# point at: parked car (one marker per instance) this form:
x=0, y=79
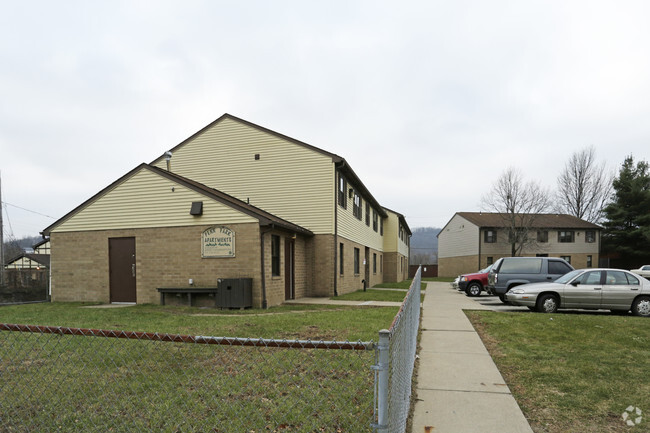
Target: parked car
x=592, y=289
x=474, y=284
x=644, y=271
x=509, y=272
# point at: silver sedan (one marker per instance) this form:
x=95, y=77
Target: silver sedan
x=592, y=289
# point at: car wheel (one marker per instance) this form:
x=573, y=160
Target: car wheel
x=502, y=298
x=474, y=289
x=531, y=308
x=548, y=304
x=641, y=306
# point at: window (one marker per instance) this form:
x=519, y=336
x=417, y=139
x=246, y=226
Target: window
x=275, y=255
x=565, y=236
x=356, y=261
x=341, y=259
x=374, y=263
x=618, y=278
x=489, y=236
x=542, y=236
x=590, y=236
x=589, y=262
x=515, y=265
x=555, y=267
x=375, y=217
x=356, y=209
x=381, y=263
x=343, y=198
x=589, y=278
x=368, y=214
x=490, y=260
x=381, y=227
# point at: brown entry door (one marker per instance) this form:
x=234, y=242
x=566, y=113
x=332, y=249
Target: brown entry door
x=289, y=272
x=121, y=264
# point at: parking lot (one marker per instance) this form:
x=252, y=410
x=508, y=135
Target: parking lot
x=492, y=302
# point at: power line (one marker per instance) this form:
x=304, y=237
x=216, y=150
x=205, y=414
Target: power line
x=28, y=210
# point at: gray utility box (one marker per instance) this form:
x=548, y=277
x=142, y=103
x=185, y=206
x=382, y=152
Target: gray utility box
x=235, y=293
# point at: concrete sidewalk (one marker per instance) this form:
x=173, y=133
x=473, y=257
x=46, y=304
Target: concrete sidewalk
x=459, y=388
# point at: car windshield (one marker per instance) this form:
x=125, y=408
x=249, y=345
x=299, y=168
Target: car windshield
x=483, y=271
x=568, y=277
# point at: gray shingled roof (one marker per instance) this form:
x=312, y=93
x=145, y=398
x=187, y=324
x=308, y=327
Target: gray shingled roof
x=551, y=221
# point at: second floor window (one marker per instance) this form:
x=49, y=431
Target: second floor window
x=367, y=214
x=374, y=220
x=542, y=236
x=356, y=210
x=590, y=236
x=490, y=236
x=565, y=236
x=343, y=186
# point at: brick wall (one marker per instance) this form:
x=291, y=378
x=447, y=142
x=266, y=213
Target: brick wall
x=350, y=281
x=323, y=265
x=454, y=266
x=395, y=267
x=165, y=257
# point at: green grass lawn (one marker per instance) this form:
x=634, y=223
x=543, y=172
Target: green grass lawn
x=406, y=284
x=324, y=322
x=374, y=295
x=572, y=372
x=80, y=384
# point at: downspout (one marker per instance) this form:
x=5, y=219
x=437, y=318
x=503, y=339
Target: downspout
x=336, y=231
x=265, y=303
x=479, y=248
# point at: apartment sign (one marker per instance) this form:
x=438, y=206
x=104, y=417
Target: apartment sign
x=218, y=241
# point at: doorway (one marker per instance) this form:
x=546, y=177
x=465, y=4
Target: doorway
x=121, y=269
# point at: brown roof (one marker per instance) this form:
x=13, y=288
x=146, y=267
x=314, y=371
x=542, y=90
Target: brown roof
x=43, y=259
x=551, y=221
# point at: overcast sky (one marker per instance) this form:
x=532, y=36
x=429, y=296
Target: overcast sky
x=429, y=101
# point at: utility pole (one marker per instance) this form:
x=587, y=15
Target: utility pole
x=2, y=241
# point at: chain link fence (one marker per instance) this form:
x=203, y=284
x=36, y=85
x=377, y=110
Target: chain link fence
x=84, y=380
x=396, y=360
x=20, y=286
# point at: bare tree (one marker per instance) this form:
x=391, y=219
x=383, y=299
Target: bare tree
x=584, y=187
x=519, y=204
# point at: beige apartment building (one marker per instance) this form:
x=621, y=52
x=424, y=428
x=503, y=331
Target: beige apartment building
x=474, y=240
x=235, y=200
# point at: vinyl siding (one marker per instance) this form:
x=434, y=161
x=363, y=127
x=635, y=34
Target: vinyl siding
x=552, y=247
x=24, y=263
x=458, y=238
x=356, y=230
x=290, y=181
x=392, y=242
x=145, y=199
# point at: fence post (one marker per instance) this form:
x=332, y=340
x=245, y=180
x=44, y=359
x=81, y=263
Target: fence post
x=383, y=377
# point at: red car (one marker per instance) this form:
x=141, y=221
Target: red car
x=474, y=284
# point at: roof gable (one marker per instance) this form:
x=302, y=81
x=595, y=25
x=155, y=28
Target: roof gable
x=263, y=217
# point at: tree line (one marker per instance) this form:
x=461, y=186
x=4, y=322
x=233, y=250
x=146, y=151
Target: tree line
x=618, y=202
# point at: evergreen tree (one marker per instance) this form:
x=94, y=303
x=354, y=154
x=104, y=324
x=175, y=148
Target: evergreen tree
x=627, y=225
